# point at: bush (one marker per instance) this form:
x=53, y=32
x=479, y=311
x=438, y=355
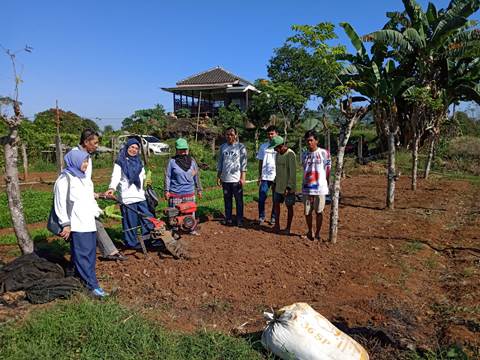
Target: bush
x=183, y=113
x=467, y=147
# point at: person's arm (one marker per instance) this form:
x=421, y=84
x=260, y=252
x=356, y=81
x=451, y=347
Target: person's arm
x=220, y=166
x=196, y=179
x=260, y=156
x=60, y=205
x=243, y=164
x=115, y=180
x=292, y=172
x=167, y=180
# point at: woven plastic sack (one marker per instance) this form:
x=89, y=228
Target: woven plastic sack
x=299, y=332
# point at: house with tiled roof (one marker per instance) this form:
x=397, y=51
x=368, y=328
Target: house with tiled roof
x=210, y=90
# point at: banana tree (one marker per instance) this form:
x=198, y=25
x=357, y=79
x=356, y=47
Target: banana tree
x=425, y=44
x=382, y=82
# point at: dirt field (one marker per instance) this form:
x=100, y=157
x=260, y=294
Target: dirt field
x=401, y=279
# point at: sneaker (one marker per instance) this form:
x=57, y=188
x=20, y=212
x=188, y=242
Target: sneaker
x=261, y=221
x=272, y=221
x=227, y=222
x=114, y=257
x=194, y=233
x=99, y=293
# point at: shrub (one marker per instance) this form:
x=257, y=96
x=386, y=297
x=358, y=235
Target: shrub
x=183, y=113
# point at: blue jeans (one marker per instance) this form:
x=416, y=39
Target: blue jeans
x=262, y=197
x=83, y=248
x=131, y=221
x=230, y=191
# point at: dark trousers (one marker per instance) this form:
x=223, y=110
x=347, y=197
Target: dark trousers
x=262, y=197
x=230, y=191
x=83, y=246
x=131, y=221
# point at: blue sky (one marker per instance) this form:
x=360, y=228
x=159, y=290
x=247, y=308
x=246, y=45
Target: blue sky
x=105, y=59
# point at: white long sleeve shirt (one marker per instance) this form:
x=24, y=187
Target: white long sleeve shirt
x=129, y=193
x=76, y=207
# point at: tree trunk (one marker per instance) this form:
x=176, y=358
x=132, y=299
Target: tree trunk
x=431, y=152
x=342, y=143
x=327, y=140
x=25, y=162
x=391, y=173
x=256, y=138
x=416, y=141
x=13, y=193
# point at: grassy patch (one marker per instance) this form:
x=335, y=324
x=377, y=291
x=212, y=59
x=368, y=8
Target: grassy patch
x=36, y=206
x=451, y=353
x=412, y=247
x=37, y=235
x=86, y=329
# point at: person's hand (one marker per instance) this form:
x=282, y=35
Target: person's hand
x=167, y=195
x=259, y=181
x=65, y=234
x=219, y=181
x=287, y=191
x=200, y=195
x=194, y=172
x=242, y=182
x=109, y=193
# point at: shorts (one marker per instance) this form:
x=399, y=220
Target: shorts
x=281, y=198
x=313, y=202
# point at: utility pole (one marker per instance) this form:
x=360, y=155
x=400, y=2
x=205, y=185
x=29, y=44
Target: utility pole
x=58, y=142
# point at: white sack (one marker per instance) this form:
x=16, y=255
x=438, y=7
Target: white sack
x=299, y=332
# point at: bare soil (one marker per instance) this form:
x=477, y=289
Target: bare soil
x=401, y=279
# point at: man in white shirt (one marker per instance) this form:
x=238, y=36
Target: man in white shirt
x=266, y=174
x=89, y=140
x=315, y=185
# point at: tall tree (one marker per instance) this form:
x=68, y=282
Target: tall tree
x=146, y=121
x=10, y=143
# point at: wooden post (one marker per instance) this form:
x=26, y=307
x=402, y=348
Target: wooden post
x=360, y=150
x=25, y=162
x=58, y=142
x=114, y=149
x=212, y=144
x=327, y=140
x=198, y=116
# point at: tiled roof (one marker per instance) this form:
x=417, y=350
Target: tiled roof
x=213, y=76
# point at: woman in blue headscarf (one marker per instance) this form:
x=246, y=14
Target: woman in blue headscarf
x=76, y=208
x=127, y=178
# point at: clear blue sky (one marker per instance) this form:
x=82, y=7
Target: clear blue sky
x=105, y=59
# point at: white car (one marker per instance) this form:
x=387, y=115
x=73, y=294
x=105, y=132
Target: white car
x=150, y=143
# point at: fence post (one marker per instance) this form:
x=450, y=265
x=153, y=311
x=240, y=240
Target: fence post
x=360, y=150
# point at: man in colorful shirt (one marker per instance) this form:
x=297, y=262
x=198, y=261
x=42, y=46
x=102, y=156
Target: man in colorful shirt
x=266, y=174
x=316, y=173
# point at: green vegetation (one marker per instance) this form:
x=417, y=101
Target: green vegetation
x=86, y=329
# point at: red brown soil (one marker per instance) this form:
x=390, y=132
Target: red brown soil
x=400, y=273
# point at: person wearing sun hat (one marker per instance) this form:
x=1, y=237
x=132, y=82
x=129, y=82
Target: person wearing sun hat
x=285, y=181
x=182, y=177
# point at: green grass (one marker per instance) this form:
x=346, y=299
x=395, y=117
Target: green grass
x=36, y=206
x=86, y=329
